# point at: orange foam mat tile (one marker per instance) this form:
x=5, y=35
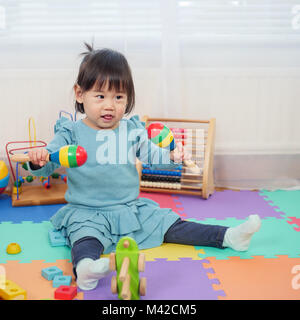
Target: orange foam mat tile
x=258, y=278
x=28, y=276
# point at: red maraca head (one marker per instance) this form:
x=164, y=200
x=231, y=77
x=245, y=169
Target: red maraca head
x=155, y=129
x=81, y=156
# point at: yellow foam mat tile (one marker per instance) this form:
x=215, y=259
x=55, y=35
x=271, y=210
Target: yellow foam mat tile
x=172, y=252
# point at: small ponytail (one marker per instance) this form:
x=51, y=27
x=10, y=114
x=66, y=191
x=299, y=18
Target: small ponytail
x=90, y=48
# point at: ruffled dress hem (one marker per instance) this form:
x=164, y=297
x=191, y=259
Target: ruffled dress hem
x=141, y=219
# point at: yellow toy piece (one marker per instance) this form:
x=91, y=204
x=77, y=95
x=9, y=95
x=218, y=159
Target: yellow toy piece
x=15, y=190
x=4, y=176
x=13, y=248
x=12, y=291
x=3, y=170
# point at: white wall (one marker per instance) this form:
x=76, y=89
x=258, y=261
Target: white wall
x=236, y=61
x=257, y=112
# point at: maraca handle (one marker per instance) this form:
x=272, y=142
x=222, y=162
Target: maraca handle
x=24, y=157
x=69, y=156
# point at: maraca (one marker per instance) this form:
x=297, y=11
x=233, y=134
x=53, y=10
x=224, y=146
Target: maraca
x=163, y=137
x=70, y=156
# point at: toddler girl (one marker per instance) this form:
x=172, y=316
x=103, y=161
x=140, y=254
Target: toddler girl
x=102, y=194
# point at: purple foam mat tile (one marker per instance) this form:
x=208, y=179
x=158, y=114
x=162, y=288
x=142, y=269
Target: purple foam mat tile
x=166, y=280
x=101, y=292
x=227, y=204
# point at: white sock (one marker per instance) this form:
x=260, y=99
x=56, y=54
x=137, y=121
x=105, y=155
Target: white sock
x=238, y=238
x=90, y=271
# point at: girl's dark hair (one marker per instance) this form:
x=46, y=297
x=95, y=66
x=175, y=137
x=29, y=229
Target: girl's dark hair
x=100, y=66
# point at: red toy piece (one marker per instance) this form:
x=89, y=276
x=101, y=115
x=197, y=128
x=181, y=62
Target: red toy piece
x=65, y=293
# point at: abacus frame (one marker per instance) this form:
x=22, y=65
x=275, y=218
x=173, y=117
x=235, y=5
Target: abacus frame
x=207, y=176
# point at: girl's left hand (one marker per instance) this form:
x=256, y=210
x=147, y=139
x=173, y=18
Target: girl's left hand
x=179, y=154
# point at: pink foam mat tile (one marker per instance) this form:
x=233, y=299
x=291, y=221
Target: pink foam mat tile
x=164, y=200
x=295, y=222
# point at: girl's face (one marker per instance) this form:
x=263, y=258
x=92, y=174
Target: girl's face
x=104, y=109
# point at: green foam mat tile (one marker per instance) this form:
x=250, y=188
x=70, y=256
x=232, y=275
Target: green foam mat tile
x=34, y=241
x=286, y=201
x=275, y=237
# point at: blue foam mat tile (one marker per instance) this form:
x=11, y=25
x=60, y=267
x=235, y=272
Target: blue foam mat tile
x=28, y=213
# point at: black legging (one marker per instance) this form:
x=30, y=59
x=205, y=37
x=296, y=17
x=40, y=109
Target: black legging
x=181, y=232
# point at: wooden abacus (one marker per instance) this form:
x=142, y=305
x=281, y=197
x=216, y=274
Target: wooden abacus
x=197, y=137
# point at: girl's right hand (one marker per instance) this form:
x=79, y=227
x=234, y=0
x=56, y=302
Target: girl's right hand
x=38, y=156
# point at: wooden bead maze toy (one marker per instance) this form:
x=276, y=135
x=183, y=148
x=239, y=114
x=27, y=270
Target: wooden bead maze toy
x=195, y=175
x=128, y=262
x=24, y=195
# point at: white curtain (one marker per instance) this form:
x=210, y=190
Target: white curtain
x=235, y=60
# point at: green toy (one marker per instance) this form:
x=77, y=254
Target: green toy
x=128, y=262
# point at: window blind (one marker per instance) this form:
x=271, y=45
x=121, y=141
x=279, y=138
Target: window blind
x=54, y=21
x=148, y=31
x=239, y=21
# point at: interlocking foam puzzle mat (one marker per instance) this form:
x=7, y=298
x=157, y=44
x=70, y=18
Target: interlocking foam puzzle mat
x=270, y=269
